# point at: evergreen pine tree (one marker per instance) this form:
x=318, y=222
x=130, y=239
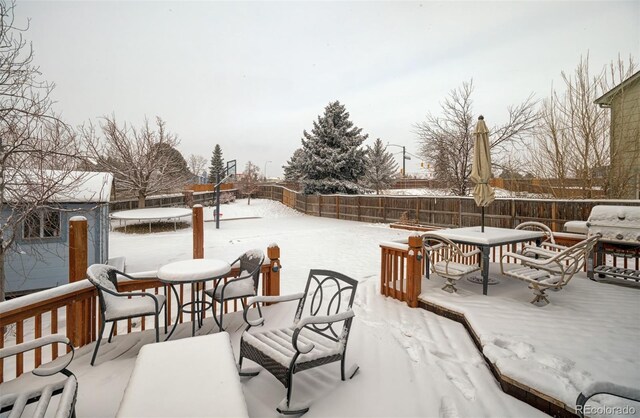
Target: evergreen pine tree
x=333, y=161
x=217, y=165
x=381, y=167
x=293, y=169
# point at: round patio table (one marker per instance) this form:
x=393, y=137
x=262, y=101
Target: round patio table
x=192, y=272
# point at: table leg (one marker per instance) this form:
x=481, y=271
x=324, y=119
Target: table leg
x=485, y=268
x=179, y=303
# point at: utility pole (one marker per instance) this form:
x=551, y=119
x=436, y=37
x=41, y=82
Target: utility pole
x=404, y=158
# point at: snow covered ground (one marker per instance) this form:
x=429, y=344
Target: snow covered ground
x=412, y=362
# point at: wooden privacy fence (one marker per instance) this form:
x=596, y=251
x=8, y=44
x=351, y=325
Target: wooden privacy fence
x=73, y=309
x=444, y=211
x=187, y=198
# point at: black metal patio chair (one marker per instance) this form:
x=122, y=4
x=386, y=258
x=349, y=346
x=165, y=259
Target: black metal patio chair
x=116, y=305
x=318, y=336
x=241, y=287
x=606, y=388
x=15, y=399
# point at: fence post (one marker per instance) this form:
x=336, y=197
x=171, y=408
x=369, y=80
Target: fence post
x=414, y=272
x=273, y=287
x=76, y=322
x=198, y=231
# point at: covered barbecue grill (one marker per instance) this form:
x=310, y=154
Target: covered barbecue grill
x=619, y=228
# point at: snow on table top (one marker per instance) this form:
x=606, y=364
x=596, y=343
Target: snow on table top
x=193, y=270
x=192, y=377
x=490, y=236
x=151, y=214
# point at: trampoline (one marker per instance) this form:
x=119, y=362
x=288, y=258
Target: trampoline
x=151, y=215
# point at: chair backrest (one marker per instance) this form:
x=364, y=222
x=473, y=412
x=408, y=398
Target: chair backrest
x=328, y=293
x=438, y=248
x=250, y=263
x=575, y=257
x=538, y=226
x=103, y=276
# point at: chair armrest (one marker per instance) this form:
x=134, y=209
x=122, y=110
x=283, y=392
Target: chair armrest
x=325, y=319
x=267, y=299
x=535, y=262
x=37, y=343
x=309, y=320
x=609, y=388
x=274, y=299
x=472, y=253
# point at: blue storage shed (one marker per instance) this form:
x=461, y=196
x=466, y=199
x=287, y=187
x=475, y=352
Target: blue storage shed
x=40, y=255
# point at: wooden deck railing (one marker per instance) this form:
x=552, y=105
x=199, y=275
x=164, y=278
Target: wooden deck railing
x=73, y=309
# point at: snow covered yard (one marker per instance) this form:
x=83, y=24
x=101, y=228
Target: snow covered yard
x=589, y=332
x=412, y=362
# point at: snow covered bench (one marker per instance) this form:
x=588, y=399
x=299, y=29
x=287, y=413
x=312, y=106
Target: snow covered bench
x=16, y=397
x=192, y=377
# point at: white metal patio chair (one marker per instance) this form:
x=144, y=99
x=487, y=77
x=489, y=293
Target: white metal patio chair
x=447, y=260
x=318, y=336
x=116, y=305
x=241, y=287
x=548, y=247
x=17, y=401
x=552, y=272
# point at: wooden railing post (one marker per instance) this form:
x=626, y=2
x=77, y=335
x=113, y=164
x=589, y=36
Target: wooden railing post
x=414, y=273
x=198, y=231
x=77, y=323
x=273, y=287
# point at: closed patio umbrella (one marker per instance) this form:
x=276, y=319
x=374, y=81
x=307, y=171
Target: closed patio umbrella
x=481, y=168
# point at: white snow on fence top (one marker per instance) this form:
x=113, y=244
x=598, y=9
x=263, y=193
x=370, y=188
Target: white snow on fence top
x=77, y=218
x=490, y=236
x=151, y=214
x=193, y=270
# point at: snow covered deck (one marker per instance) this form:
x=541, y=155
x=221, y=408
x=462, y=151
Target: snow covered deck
x=412, y=362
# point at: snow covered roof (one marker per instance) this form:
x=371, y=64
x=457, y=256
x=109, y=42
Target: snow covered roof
x=62, y=186
x=85, y=186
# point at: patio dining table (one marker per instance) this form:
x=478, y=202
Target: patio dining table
x=195, y=272
x=491, y=237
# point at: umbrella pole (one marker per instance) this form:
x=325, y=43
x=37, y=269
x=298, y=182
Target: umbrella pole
x=482, y=220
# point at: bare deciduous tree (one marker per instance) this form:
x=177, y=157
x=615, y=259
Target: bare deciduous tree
x=143, y=161
x=446, y=141
x=197, y=164
x=37, y=150
x=573, y=135
x=249, y=182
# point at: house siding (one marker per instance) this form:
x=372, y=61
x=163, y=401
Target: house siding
x=41, y=264
x=625, y=140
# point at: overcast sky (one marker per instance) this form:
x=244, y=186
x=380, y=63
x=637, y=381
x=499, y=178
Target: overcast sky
x=251, y=76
